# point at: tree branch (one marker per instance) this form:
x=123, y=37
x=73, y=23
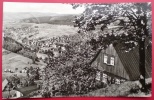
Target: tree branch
x=134, y=13
x=131, y=21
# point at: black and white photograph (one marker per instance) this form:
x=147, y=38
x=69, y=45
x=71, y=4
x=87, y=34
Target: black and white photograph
x=76, y=50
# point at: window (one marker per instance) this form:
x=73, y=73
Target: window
x=109, y=60
x=112, y=61
x=104, y=79
x=117, y=81
x=98, y=76
x=105, y=59
x=104, y=75
x=122, y=80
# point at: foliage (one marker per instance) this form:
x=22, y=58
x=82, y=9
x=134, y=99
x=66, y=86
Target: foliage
x=125, y=20
x=14, y=80
x=33, y=73
x=14, y=46
x=71, y=72
x=11, y=45
x=125, y=23
x=28, y=53
x=24, y=82
x=35, y=93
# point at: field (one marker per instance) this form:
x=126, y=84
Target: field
x=45, y=30
x=48, y=31
x=13, y=60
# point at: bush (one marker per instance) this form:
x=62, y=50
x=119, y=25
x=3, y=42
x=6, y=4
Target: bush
x=149, y=86
x=135, y=89
x=11, y=45
x=35, y=93
x=28, y=54
x=99, y=84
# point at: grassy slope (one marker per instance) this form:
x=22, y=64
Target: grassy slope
x=121, y=90
x=13, y=60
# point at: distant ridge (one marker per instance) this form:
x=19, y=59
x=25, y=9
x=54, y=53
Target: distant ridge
x=39, y=17
x=57, y=19
x=16, y=16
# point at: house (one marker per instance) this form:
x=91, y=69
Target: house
x=24, y=71
x=19, y=92
x=25, y=91
x=120, y=65
x=8, y=70
x=4, y=84
x=5, y=93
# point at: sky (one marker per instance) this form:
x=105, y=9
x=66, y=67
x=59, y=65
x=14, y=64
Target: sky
x=41, y=7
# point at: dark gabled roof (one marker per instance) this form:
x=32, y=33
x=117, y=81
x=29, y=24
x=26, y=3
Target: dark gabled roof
x=26, y=90
x=130, y=61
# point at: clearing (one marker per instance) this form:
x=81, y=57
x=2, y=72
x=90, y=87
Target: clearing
x=13, y=60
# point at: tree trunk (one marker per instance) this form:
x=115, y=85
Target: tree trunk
x=9, y=93
x=142, y=62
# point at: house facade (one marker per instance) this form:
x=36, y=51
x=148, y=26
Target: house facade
x=118, y=65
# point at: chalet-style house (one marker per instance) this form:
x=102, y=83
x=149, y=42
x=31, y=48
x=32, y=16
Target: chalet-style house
x=121, y=65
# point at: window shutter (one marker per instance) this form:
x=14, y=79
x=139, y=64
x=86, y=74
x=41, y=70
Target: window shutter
x=105, y=58
x=112, y=62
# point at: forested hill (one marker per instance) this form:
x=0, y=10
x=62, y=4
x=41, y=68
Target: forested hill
x=16, y=16
x=57, y=20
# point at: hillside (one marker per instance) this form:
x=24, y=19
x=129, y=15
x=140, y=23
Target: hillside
x=56, y=20
x=43, y=30
x=62, y=20
x=17, y=16
x=37, y=25
x=13, y=60
x=128, y=89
